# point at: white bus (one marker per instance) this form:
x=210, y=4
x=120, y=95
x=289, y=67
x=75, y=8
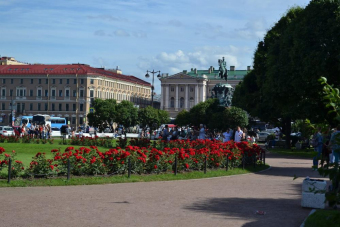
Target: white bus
x=41, y=119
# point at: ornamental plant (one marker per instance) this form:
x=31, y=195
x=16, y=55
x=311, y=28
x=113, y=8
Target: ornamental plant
x=17, y=166
x=40, y=166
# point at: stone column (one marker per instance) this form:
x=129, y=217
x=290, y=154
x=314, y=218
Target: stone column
x=166, y=96
x=186, y=96
x=176, y=99
x=196, y=94
x=162, y=97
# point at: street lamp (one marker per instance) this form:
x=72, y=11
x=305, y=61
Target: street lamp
x=153, y=76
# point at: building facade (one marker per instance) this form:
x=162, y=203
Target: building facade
x=64, y=90
x=184, y=90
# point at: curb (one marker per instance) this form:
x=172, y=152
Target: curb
x=310, y=213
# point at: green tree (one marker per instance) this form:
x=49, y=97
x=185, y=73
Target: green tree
x=203, y=111
x=182, y=118
x=127, y=114
x=163, y=116
x=104, y=115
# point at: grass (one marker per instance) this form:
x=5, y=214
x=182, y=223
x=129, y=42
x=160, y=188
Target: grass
x=25, y=151
x=324, y=218
x=306, y=153
x=124, y=178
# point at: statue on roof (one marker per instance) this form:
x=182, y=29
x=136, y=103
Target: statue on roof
x=223, y=73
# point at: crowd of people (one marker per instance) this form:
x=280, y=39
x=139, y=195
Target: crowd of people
x=237, y=135
x=35, y=131
x=327, y=147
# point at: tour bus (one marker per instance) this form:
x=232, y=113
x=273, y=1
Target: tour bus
x=57, y=122
x=19, y=121
x=41, y=119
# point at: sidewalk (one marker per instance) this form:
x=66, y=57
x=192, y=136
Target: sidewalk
x=226, y=201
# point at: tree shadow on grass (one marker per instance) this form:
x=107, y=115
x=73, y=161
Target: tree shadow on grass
x=279, y=212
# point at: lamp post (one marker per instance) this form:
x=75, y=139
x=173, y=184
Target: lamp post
x=153, y=77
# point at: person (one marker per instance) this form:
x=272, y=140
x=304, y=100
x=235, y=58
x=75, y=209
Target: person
x=334, y=144
x=201, y=132
x=174, y=135
x=238, y=134
x=23, y=130
x=227, y=135
x=165, y=133
x=48, y=131
x=318, y=147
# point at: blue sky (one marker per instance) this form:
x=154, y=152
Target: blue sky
x=138, y=35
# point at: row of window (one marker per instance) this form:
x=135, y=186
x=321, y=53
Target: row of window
x=21, y=92
x=181, y=102
x=53, y=81
x=20, y=107
x=172, y=88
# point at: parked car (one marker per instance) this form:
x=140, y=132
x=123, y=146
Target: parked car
x=263, y=136
x=6, y=131
x=55, y=131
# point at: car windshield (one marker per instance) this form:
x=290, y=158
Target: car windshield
x=8, y=129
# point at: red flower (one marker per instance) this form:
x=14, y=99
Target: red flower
x=155, y=167
x=7, y=155
x=52, y=167
x=186, y=165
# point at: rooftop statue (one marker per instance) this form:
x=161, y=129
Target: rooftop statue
x=223, y=69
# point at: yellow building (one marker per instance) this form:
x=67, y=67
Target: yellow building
x=64, y=90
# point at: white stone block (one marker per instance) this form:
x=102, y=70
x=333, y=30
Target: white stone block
x=313, y=184
x=311, y=200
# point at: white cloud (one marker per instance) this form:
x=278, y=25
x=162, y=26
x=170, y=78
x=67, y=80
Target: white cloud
x=121, y=33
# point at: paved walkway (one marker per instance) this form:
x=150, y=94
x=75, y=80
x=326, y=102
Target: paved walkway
x=226, y=201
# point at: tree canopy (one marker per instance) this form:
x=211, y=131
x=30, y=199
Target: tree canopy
x=300, y=48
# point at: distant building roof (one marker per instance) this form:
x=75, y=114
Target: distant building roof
x=66, y=69
x=213, y=74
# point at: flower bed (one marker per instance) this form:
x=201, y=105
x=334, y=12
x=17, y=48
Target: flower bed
x=157, y=158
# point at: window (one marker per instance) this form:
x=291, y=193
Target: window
x=21, y=92
x=73, y=120
x=60, y=81
x=75, y=81
x=74, y=93
x=172, y=102
x=181, y=103
x=67, y=107
x=191, y=89
x=3, y=93
x=60, y=93
x=46, y=107
x=46, y=93
x=172, y=88
x=191, y=102
x=4, y=81
x=81, y=120
x=81, y=81
x=91, y=93
x=21, y=81
x=81, y=107
x=92, y=81
x=39, y=92
x=31, y=81
x=67, y=81
x=3, y=107
x=53, y=107
x=53, y=81
x=11, y=81
x=11, y=92
x=53, y=92
x=46, y=81
x=39, y=106
x=39, y=81
x=81, y=93
x=31, y=106
x=31, y=93
x=182, y=88
x=67, y=92
x=74, y=107
x=60, y=107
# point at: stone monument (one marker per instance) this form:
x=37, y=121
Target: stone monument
x=223, y=92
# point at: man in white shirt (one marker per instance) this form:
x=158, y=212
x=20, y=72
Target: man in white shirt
x=238, y=134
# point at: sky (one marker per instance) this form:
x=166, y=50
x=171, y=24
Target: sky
x=138, y=35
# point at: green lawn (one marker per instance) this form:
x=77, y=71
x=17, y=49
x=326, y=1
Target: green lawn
x=25, y=151
x=324, y=218
x=61, y=181
x=306, y=153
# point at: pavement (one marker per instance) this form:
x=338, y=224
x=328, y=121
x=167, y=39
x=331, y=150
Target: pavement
x=224, y=201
